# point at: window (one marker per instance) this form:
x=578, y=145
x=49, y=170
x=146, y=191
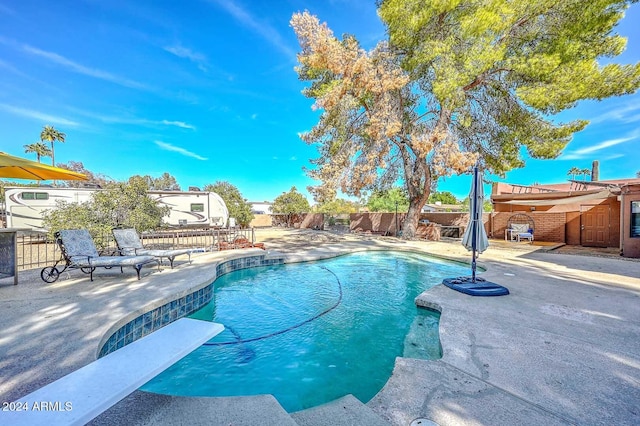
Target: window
x=635, y=218
x=199, y=208
x=34, y=196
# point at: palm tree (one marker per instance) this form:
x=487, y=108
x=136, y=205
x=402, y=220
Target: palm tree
x=38, y=148
x=585, y=173
x=573, y=172
x=52, y=135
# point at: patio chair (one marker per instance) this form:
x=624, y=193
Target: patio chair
x=519, y=227
x=79, y=251
x=129, y=243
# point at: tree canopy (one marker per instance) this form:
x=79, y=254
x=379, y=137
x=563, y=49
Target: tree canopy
x=96, y=179
x=291, y=202
x=386, y=200
x=236, y=203
x=52, y=135
x=38, y=148
x=456, y=83
x=166, y=182
x=444, y=197
x=337, y=206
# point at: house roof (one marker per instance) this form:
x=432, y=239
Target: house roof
x=570, y=187
x=553, y=198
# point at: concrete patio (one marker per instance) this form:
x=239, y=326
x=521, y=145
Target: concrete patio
x=562, y=348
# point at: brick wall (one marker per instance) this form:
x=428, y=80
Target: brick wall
x=547, y=226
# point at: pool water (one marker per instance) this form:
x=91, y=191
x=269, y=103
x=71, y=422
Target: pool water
x=309, y=333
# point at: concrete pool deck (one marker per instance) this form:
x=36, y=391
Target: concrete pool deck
x=562, y=348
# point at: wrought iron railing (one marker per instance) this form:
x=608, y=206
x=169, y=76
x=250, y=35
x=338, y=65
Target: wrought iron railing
x=36, y=249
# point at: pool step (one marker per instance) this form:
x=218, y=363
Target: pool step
x=347, y=410
x=147, y=409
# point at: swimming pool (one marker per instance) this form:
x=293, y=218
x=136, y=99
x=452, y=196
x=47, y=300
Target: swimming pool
x=312, y=332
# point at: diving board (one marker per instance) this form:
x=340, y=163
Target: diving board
x=80, y=396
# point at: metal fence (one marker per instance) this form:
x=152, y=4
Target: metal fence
x=37, y=250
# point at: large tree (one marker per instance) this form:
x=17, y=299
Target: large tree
x=51, y=135
x=38, y=148
x=444, y=197
x=237, y=205
x=457, y=83
x=93, y=179
x=291, y=202
x=166, y=182
x=337, y=206
x=388, y=200
x=573, y=172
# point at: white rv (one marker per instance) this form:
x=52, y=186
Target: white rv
x=24, y=206
x=193, y=208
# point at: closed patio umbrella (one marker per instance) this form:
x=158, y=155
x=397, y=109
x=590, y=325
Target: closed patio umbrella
x=21, y=168
x=475, y=237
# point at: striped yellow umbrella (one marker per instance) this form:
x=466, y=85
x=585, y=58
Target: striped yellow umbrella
x=21, y=168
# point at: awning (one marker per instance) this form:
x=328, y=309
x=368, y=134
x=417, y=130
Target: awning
x=556, y=201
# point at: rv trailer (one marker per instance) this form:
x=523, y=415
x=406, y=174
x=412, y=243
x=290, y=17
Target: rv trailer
x=193, y=208
x=24, y=206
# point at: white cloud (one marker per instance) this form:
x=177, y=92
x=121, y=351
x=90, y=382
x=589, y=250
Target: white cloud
x=181, y=124
x=584, y=152
x=30, y=113
x=266, y=31
x=629, y=113
x=132, y=120
x=186, y=53
x=81, y=69
x=73, y=66
x=173, y=148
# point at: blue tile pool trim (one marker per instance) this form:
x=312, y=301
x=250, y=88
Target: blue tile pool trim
x=162, y=315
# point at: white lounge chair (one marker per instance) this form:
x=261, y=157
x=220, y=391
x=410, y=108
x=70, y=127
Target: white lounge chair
x=79, y=251
x=129, y=243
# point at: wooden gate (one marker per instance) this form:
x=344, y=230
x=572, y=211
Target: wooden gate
x=594, y=225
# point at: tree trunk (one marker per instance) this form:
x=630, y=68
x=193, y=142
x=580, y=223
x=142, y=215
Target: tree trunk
x=410, y=223
x=419, y=189
x=418, y=182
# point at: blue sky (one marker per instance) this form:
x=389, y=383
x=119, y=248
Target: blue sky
x=206, y=91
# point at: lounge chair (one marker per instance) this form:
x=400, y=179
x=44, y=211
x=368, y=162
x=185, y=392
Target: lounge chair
x=129, y=243
x=79, y=251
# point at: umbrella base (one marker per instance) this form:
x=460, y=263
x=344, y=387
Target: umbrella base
x=480, y=287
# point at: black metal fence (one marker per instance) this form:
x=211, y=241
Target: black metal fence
x=37, y=250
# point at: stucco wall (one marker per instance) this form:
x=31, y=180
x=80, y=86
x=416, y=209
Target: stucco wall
x=261, y=221
x=384, y=223
x=630, y=245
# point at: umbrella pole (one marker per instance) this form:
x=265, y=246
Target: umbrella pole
x=474, y=224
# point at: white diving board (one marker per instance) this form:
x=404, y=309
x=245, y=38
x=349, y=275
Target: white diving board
x=80, y=396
